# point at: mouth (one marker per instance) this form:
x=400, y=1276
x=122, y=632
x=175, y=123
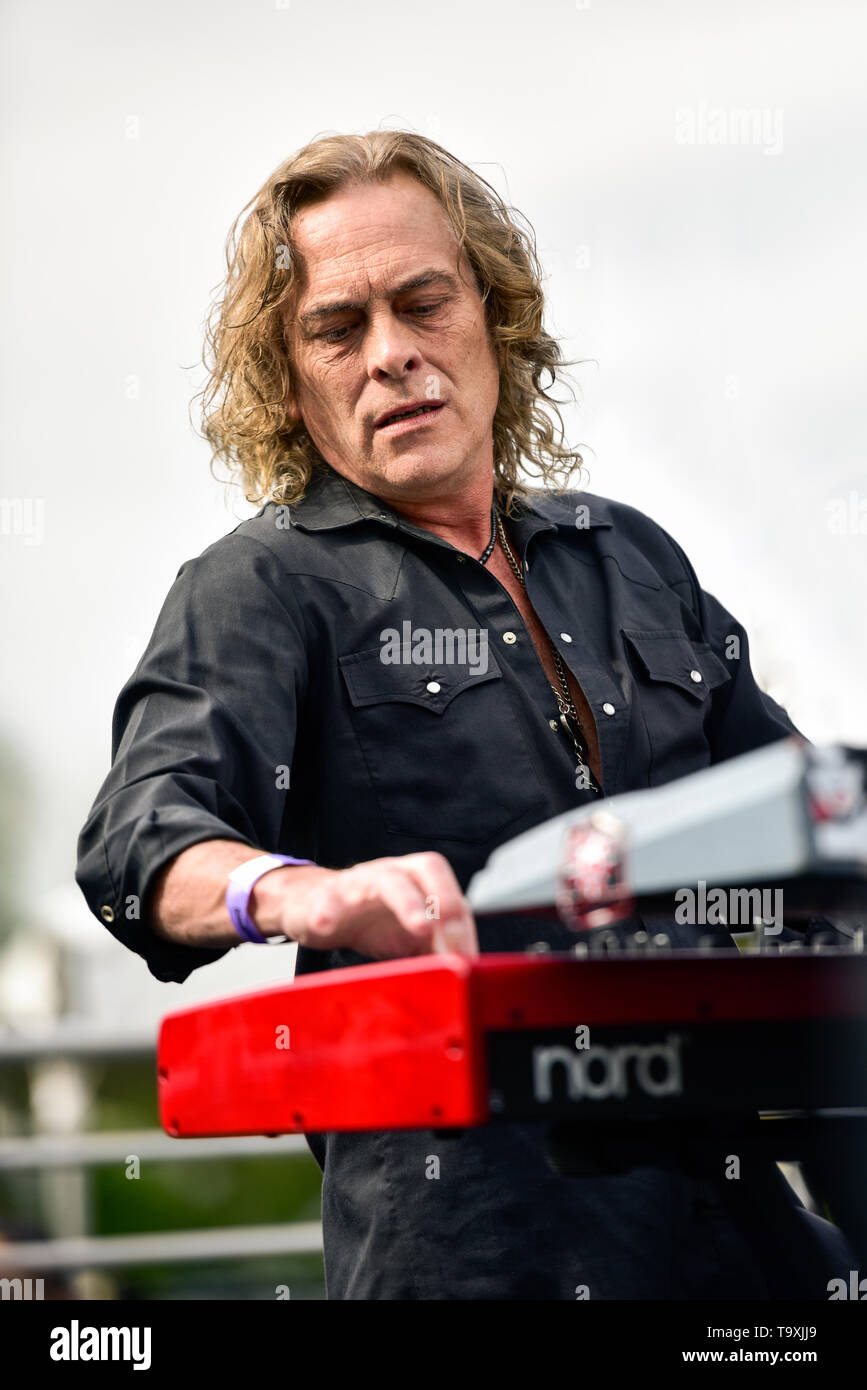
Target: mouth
x=400, y=421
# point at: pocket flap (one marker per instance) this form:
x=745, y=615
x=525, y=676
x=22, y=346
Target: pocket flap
x=432, y=685
x=671, y=656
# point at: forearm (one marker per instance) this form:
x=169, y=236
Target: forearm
x=188, y=898
x=383, y=908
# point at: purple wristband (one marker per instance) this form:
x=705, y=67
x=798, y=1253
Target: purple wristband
x=240, y=886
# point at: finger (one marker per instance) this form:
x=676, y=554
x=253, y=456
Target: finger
x=454, y=927
x=455, y=938
x=412, y=893
x=404, y=897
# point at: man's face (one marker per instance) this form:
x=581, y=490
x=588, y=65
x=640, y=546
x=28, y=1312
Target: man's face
x=382, y=343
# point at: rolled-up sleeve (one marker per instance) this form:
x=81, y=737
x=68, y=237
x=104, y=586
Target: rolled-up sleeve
x=743, y=716
x=200, y=734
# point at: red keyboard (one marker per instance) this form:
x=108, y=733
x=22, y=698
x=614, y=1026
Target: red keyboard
x=443, y=1041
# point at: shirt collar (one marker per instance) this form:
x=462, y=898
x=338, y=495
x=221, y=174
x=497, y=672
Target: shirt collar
x=331, y=500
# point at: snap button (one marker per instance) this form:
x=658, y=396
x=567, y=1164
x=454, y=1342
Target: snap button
x=564, y=636
x=695, y=675
x=433, y=687
x=462, y=559
x=608, y=708
x=509, y=637
x=554, y=725
x=106, y=913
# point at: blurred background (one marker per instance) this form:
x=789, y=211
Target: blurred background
x=696, y=178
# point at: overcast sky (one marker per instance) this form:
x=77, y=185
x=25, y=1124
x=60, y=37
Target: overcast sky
x=696, y=177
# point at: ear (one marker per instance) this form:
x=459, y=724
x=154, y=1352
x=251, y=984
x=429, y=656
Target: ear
x=293, y=414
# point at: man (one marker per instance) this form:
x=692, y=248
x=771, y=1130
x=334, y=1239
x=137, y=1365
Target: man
x=405, y=659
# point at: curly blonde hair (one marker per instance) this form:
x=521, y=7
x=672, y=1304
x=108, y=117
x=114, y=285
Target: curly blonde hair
x=250, y=373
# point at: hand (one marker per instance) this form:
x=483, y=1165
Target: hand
x=406, y=905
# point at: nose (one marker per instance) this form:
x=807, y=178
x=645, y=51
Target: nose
x=392, y=350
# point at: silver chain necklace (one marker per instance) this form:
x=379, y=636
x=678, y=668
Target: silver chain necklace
x=565, y=704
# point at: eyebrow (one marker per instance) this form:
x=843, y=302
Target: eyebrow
x=415, y=282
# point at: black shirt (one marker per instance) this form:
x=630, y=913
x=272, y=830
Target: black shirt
x=262, y=710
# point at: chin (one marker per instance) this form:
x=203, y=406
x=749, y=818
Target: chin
x=418, y=471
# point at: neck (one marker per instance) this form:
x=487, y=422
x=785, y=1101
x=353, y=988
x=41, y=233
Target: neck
x=464, y=520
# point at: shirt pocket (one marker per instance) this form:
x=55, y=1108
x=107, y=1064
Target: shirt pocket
x=442, y=745
x=674, y=679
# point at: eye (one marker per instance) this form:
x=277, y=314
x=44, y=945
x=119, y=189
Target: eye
x=333, y=336
x=425, y=309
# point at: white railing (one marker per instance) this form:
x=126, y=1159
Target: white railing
x=75, y=1043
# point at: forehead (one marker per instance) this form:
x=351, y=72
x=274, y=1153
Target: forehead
x=365, y=233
